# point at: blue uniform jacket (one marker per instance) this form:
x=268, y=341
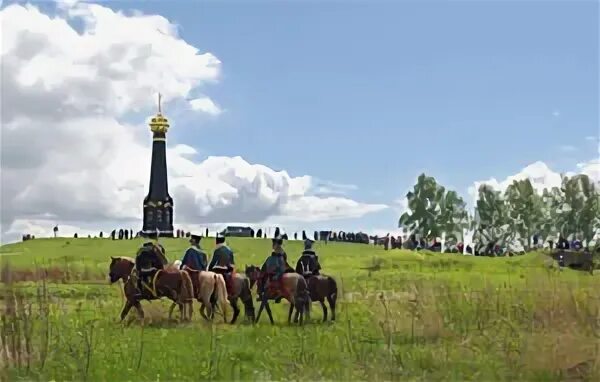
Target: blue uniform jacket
x=222, y=257
x=195, y=259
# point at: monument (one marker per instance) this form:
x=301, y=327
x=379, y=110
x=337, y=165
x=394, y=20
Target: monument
x=158, y=204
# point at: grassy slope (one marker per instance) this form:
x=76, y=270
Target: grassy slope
x=443, y=317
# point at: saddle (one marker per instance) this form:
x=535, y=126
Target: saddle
x=146, y=282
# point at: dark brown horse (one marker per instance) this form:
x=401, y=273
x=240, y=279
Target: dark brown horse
x=296, y=293
x=170, y=282
x=239, y=288
x=321, y=288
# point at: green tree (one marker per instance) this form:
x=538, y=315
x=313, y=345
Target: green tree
x=433, y=210
x=491, y=218
x=453, y=217
x=524, y=210
x=581, y=211
x=424, y=207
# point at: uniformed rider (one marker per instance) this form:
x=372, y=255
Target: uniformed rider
x=150, y=259
x=222, y=261
x=308, y=264
x=273, y=270
x=194, y=256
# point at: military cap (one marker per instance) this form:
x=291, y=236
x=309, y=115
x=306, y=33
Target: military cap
x=196, y=238
x=219, y=239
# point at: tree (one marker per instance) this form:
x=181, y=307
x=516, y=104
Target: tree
x=491, y=218
x=453, y=217
x=579, y=214
x=524, y=210
x=423, y=203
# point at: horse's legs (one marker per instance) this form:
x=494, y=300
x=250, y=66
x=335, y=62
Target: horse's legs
x=324, y=310
x=173, y=305
x=202, y=311
x=268, y=309
x=331, y=299
x=126, y=309
x=139, y=309
x=236, y=309
x=290, y=313
x=260, y=309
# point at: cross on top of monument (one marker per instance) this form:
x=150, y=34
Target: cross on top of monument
x=158, y=123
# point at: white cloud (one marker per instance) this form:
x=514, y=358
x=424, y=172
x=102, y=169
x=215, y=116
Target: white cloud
x=567, y=148
x=69, y=154
x=205, y=105
x=591, y=138
x=556, y=113
x=540, y=175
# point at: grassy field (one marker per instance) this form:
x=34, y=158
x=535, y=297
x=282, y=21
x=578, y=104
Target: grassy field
x=411, y=316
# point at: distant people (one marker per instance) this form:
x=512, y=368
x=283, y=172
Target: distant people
x=75, y=236
x=112, y=234
x=207, y=232
x=304, y=235
x=316, y=236
x=101, y=235
x=562, y=243
x=295, y=235
x=126, y=235
x=276, y=232
x=131, y=234
x=55, y=229
x=259, y=233
x=121, y=234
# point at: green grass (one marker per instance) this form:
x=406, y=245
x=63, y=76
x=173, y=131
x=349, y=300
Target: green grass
x=422, y=316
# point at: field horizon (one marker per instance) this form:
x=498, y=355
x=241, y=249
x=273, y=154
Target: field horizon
x=402, y=315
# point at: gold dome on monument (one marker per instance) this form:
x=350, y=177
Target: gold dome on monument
x=158, y=123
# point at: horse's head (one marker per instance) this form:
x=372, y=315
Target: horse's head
x=253, y=274
x=119, y=268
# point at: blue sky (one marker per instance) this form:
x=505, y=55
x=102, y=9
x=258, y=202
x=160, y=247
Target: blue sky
x=372, y=93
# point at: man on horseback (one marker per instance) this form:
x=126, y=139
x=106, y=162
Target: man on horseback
x=273, y=270
x=222, y=261
x=308, y=264
x=149, y=259
x=194, y=257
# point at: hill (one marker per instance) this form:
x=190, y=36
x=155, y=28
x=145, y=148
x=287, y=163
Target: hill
x=402, y=315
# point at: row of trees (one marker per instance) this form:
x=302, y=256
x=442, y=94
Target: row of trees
x=571, y=211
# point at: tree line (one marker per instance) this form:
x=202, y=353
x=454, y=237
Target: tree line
x=520, y=214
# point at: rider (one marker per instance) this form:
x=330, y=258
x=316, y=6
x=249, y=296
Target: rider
x=274, y=268
x=194, y=257
x=149, y=259
x=308, y=264
x=222, y=260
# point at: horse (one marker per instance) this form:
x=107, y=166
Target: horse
x=297, y=293
x=240, y=289
x=321, y=288
x=209, y=290
x=172, y=283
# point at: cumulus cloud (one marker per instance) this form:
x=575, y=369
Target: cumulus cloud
x=71, y=152
x=205, y=105
x=540, y=175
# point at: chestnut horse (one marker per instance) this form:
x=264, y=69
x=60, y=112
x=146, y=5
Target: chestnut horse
x=210, y=291
x=172, y=283
x=296, y=292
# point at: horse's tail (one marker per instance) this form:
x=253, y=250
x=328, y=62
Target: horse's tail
x=221, y=290
x=333, y=288
x=247, y=300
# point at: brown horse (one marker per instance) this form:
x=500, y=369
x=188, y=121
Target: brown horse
x=295, y=286
x=321, y=288
x=172, y=283
x=210, y=291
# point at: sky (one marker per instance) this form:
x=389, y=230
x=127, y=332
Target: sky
x=307, y=115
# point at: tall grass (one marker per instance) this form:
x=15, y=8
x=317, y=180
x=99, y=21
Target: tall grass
x=414, y=317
